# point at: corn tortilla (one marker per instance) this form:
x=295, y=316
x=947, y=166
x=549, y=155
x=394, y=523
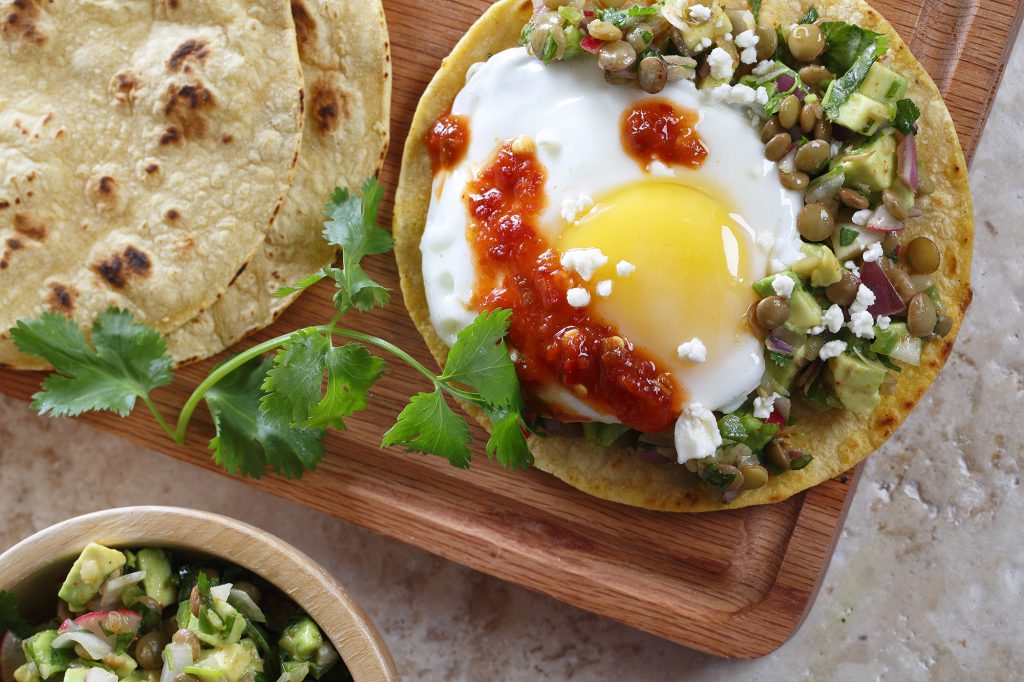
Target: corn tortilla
x=838, y=439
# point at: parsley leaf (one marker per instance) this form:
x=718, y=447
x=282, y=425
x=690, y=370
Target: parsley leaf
x=352, y=225
x=841, y=88
x=10, y=616
x=507, y=443
x=248, y=441
x=755, y=8
x=429, y=426
x=811, y=16
x=846, y=43
x=907, y=114
x=125, y=361
x=293, y=384
x=480, y=359
x=351, y=372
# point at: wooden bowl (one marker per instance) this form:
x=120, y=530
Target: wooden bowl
x=33, y=569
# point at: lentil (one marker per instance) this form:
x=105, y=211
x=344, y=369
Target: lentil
x=797, y=180
x=767, y=42
x=844, y=292
x=852, y=198
x=811, y=157
x=901, y=283
x=639, y=36
x=814, y=75
x=943, y=325
x=810, y=114
x=652, y=74
x=616, y=56
x=806, y=42
x=922, y=255
x=823, y=130
x=921, y=316
x=777, y=147
x=754, y=477
x=771, y=129
x=186, y=636
x=604, y=30
x=815, y=222
x=894, y=204
x=772, y=312
x=149, y=648
x=789, y=112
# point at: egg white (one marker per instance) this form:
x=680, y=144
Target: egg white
x=574, y=117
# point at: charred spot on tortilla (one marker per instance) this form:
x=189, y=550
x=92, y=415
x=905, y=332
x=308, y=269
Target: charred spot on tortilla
x=186, y=108
x=15, y=244
x=305, y=25
x=152, y=168
x=172, y=215
x=124, y=84
x=329, y=105
x=103, y=193
x=21, y=23
x=61, y=298
x=239, y=273
x=227, y=138
x=4, y=204
x=194, y=50
x=122, y=267
x=171, y=136
x=29, y=226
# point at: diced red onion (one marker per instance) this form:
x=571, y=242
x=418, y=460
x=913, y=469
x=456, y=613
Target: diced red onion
x=784, y=83
x=800, y=94
x=887, y=301
x=591, y=44
x=884, y=221
x=652, y=456
x=906, y=154
x=221, y=592
x=113, y=588
x=780, y=413
x=777, y=345
x=825, y=192
x=93, y=645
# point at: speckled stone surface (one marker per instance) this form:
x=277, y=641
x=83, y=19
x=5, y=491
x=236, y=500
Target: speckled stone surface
x=927, y=582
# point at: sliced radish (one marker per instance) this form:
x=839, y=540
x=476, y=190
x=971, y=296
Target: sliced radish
x=221, y=592
x=884, y=221
x=95, y=622
x=94, y=646
x=11, y=656
x=113, y=588
x=906, y=155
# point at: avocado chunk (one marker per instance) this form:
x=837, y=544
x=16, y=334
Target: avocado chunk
x=157, y=583
x=88, y=573
x=862, y=114
x=718, y=25
x=301, y=639
x=819, y=264
x=219, y=626
x=75, y=675
x=292, y=671
x=27, y=672
x=884, y=85
x=855, y=381
x=229, y=662
x=49, y=661
x=887, y=339
x=870, y=167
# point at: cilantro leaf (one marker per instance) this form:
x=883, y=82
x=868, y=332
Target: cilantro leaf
x=10, y=616
x=755, y=8
x=125, y=361
x=811, y=16
x=356, y=289
x=847, y=236
x=619, y=17
x=840, y=89
x=294, y=383
x=302, y=284
x=351, y=372
x=782, y=53
x=907, y=114
x=352, y=225
x=248, y=441
x=480, y=359
x=507, y=443
x=428, y=425
x=604, y=435
x=846, y=43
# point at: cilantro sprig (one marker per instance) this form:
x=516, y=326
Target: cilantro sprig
x=10, y=616
x=273, y=404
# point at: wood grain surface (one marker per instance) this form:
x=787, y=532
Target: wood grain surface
x=31, y=568
x=734, y=583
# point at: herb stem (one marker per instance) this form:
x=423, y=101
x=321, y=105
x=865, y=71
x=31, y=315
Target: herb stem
x=159, y=417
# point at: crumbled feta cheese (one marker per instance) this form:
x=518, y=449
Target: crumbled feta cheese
x=865, y=299
x=700, y=13
x=574, y=208
x=604, y=288
x=815, y=331
x=883, y=321
x=721, y=94
x=766, y=240
x=748, y=55
x=728, y=37
x=721, y=64
x=747, y=39
x=861, y=217
x=584, y=261
x=763, y=407
x=862, y=325
x=660, y=169
x=783, y=285
x=873, y=252
x=693, y=350
x=743, y=94
x=548, y=140
x=833, y=318
x=624, y=268
x=578, y=297
x=705, y=43
x=696, y=433
x=832, y=349
x=761, y=96
x=852, y=267
x=763, y=68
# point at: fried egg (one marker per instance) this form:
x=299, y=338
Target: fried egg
x=670, y=252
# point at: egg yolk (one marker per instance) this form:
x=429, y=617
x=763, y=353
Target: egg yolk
x=692, y=276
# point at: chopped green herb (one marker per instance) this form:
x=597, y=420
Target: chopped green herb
x=778, y=359
x=847, y=236
x=619, y=17
x=550, y=49
x=811, y=16
x=755, y=8
x=907, y=114
x=10, y=616
x=846, y=43
x=604, y=435
x=782, y=53
x=841, y=88
x=714, y=477
x=799, y=463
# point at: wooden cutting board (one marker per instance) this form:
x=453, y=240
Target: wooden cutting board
x=734, y=583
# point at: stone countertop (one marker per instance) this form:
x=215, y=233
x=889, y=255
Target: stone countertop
x=926, y=583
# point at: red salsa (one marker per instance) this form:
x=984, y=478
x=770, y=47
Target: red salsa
x=658, y=130
x=447, y=141
x=556, y=342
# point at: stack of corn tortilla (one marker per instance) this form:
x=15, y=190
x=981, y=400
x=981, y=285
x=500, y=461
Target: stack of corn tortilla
x=173, y=157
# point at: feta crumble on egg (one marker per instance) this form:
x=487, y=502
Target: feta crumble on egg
x=624, y=268
x=832, y=349
x=548, y=140
x=700, y=13
x=604, y=288
x=861, y=217
x=693, y=350
x=585, y=262
x=873, y=253
x=574, y=208
x=696, y=433
x=783, y=286
x=578, y=297
x=721, y=64
x=659, y=169
x=766, y=240
x=763, y=407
